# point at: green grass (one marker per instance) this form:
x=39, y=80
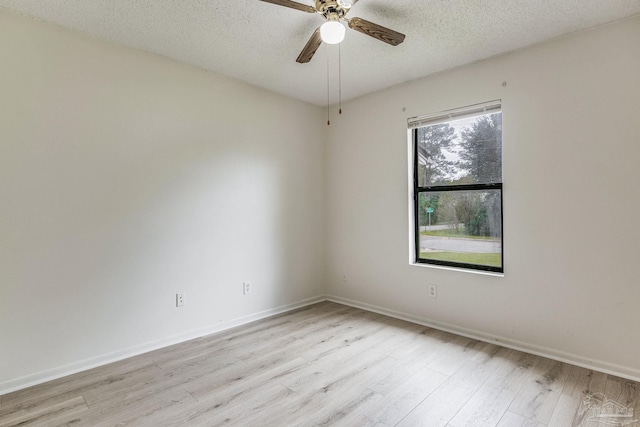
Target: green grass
x=492, y=259
x=453, y=233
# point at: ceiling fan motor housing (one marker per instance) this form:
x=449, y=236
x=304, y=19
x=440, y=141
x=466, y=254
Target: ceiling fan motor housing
x=332, y=8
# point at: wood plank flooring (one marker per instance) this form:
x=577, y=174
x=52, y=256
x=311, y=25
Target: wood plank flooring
x=330, y=364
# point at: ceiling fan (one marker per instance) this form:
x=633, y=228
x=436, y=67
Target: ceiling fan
x=332, y=31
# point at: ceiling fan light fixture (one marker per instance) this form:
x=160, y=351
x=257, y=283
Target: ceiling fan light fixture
x=332, y=32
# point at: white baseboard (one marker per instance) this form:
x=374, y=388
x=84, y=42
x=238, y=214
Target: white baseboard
x=572, y=359
x=83, y=365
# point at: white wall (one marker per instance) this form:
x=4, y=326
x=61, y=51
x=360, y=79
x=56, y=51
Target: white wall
x=571, y=289
x=125, y=178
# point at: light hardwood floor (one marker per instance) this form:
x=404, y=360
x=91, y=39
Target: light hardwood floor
x=329, y=364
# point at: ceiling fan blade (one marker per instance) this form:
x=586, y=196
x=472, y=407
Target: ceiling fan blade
x=310, y=48
x=376, y=31
x=292, y=5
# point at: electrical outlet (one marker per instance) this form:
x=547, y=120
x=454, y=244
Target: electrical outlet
x=247, y=288
x=433, y=291
x=345, y=279
x=180, y=300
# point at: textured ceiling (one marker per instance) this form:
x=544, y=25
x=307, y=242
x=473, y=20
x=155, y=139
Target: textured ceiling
x=258, y=42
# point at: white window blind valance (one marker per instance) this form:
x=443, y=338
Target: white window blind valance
x=455, y=114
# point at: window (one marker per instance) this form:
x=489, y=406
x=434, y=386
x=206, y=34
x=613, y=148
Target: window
x=457, y=187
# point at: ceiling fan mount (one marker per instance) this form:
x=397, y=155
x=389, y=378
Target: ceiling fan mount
x=336, y=11
x=332, y=8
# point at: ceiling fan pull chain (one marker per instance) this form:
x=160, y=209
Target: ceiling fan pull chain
x=328, y=92
x=339, y=79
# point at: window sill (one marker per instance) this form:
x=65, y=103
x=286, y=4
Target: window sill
x=463, y=270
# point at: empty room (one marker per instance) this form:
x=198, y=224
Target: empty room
x=319, y=212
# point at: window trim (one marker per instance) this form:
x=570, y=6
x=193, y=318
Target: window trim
x=443, y=117
x=455, y=113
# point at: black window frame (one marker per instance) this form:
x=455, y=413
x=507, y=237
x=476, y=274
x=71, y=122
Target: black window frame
x=417, y=190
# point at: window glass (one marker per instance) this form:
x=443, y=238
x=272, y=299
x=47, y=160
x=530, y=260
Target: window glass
x=458, y=190
x=461, y=226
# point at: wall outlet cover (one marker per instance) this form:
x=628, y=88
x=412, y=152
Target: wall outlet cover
x=247, y=287
x=433, y=291
x=181, y=299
